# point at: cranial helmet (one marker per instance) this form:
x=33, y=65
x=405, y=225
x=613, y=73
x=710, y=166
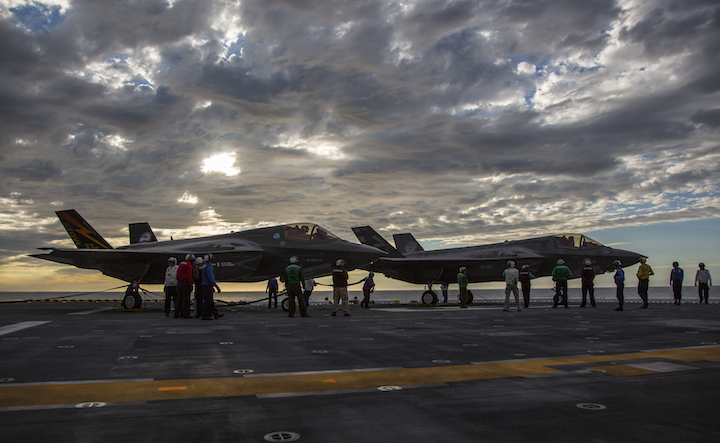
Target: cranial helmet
x=172, y=260
x=702, y=265
x=340, y=262
x=463, y=270
x=675, y=264
x=199, y=261
x=642, y=260
x=293, y=259
x=587, y=262
x=209, y=258
x=510, y=264
x=189, y=257
x=526, y=266
x=617, y=263
x=561, y=262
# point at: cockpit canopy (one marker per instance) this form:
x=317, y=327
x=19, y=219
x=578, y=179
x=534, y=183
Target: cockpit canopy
x=575, y=241
x=307, y=232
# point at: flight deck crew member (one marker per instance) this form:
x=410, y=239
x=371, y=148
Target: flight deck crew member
x=463, y=282
x=587, y=275
x=368, y=288
x=309, y=286
x=294, y=279
x=185, y=286
x=340, y=283
x=643, y=274
x=525, y=277
x=703, y=281
x=207, y=284
x=676, y=279
x=511, y=276
x=444, y=288
x=561, y=274
x=272, y=290
x=619, y=284
x=198, y=287
x=170, y=284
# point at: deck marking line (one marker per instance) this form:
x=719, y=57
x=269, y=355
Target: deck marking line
x=9, y=329
x=173, y=388
x=293, y=384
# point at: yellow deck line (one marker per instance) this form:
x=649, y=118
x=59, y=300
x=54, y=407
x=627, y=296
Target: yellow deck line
x=134, y=391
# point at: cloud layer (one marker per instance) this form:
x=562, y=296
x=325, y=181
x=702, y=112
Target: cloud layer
x=462, y=121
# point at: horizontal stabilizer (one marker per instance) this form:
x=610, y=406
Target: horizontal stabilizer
x=368, y=236
x=82, y=234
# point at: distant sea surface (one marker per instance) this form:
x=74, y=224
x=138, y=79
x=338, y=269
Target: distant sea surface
x=657, y=293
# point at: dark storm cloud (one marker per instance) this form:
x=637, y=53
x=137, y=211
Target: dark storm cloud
x=711, y=117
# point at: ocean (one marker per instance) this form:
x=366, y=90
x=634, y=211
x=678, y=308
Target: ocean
x=538, y=294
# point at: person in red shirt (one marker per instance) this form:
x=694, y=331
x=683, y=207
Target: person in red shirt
x=185, y=286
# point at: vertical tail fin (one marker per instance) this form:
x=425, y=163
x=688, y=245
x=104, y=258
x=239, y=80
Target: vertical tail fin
x=406, y=243
x=141, y=233
x=84, y=236
x=368, y=236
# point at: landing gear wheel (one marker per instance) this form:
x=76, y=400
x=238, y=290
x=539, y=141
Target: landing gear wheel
x=132, y=301
x=429, y=298
x=285, y=304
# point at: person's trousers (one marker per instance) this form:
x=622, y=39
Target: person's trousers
x=588, y=288
x=511, y=287
x=340, y=293
x=182, y=302
x=294, y=292
x=620, y=293
x=643, y=285
x=526, y=294
x=171, y=294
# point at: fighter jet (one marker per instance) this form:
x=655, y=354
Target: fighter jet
x=412, y=264
x=246, y=256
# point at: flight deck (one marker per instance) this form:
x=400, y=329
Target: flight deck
x=86, y=371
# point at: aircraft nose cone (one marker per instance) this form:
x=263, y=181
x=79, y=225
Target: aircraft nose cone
x=628, y=258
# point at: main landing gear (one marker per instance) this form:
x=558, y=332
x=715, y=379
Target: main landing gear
x=430, y=297
x=132, y=299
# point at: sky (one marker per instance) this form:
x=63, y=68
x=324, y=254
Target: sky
x=463, y=122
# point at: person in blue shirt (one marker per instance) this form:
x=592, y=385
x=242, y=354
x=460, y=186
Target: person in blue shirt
x=207, y=283
x=620, y=284
x=676, y=280
x=272, y=290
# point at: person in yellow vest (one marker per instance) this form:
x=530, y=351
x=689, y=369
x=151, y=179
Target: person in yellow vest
x=643, y=274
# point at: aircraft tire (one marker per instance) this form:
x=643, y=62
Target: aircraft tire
x=429, y=298
x=132, y=301
x=285, y=303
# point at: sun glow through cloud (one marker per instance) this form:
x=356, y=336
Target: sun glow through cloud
x=223, y=163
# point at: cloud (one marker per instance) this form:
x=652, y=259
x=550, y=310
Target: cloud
x=457, y=120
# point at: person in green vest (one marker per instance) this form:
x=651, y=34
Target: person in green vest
x=295, y=286
x=463, y=282
x=560, y=275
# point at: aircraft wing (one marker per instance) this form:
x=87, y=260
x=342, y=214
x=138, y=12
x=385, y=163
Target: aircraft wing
x=133, y=265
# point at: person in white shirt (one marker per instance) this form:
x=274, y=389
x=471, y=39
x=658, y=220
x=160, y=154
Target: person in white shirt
x=511, y=275
x=703, y=281
x=171, y=283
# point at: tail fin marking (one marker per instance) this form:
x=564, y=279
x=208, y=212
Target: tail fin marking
x=80, y=231
x=141, y=233
x=406, y=243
